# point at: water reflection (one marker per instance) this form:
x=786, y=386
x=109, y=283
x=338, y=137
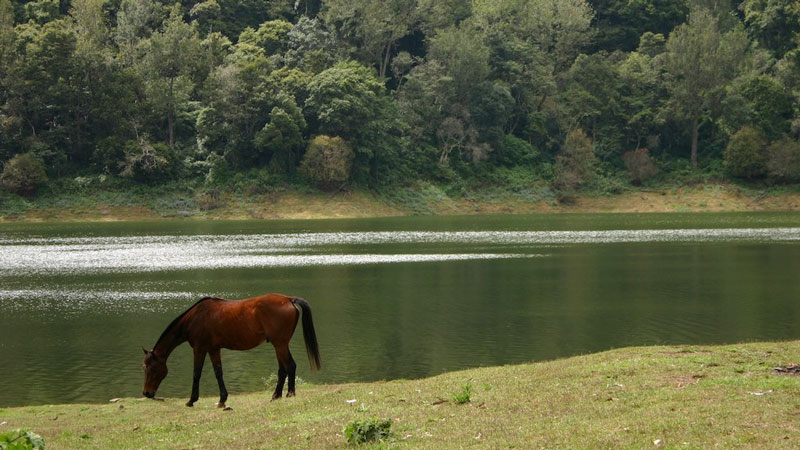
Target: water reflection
x=75, y=307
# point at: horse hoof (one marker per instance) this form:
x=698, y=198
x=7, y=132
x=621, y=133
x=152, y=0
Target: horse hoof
x=227, y=408
x=189, y=404
x=220, y=405
x=290, y=394
x=275, y=398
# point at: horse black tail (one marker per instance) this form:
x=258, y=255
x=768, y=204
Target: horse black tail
x=309, y=335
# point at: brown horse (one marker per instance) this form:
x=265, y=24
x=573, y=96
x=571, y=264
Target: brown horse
x=214, y=323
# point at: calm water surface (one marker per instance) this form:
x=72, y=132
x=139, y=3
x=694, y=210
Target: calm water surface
x=392, y=298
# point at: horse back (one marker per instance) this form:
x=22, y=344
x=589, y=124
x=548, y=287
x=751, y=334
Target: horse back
x=242, y=324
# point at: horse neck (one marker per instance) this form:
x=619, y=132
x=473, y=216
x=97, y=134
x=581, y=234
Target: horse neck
x=171, y=338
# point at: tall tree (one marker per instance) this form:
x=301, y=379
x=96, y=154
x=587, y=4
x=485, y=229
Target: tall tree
x=701, y=61
x=172, y=56
x=373, y=26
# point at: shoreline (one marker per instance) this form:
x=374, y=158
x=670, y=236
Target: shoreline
x=684, y=396
x=290, y=204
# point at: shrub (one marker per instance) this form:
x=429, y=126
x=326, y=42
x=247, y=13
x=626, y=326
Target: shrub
x=783, y=160
x=359, y=432
x=516, y=151
x=21, y=440
x=575, y=162
x=744, y=156
x=639, y=165
x=146, y=162
x=464, y=395
x=328, y=161
x=23, y=174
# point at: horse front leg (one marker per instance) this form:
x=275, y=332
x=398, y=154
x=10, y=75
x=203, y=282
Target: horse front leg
x=216, y=362
x=199, y=359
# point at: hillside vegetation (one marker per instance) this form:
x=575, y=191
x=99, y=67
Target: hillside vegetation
x=555, y=100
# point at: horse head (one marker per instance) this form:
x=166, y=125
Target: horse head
x=155, y=370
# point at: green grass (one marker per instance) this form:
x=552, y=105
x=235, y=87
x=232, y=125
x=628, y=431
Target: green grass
x=682, y=397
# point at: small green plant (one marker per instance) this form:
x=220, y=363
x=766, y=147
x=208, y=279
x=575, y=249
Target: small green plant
x=21, y=440
x=369, y=430
x=463, y=396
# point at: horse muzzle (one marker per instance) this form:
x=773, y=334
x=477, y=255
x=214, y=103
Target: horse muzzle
x=148, y=394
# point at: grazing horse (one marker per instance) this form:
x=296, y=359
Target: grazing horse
x=214, y=323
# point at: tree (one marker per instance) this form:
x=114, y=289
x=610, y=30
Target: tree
x=328, y=161
x=701, y=61
x=774, y=23
x=136, y=20
x=620, y=23
x=348, y=101
x=373, y=26
x=172, y=56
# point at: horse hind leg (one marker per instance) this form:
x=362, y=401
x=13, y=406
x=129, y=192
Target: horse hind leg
x=291, y=368
x=284, y=357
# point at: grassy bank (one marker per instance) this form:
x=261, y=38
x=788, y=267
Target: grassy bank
x=672, y=397
x=291, y=202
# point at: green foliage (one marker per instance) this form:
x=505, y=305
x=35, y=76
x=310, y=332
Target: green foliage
x=447, y=91
x=745, y=154
x=516, y=151
x=21, y=440
x=575, y=162
x=146, y=162
x=783, y=160
x=23, y=174
x=328, y=161
x=368, y=430
x=463, y=396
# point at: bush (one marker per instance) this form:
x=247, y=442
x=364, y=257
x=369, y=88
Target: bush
x=574, y=163
x=639, y=165
x=359, y=432
x=145, y=162
x=328, y=161
x=21, y=440
x=516, y=151
x=23, y=174
x=783, y=160
x=744, y=156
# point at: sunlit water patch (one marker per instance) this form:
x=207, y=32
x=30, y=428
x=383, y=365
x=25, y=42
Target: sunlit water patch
x=73, y=301
x=156, y=253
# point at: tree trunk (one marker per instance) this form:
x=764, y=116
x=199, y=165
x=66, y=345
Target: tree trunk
x=695, y=133
x=385, y=62
x=171, y=114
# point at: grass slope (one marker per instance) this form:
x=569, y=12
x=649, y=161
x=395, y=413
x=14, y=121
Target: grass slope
x=643, y=397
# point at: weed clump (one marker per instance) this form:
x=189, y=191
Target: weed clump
x=369, y=430
x=464, y=395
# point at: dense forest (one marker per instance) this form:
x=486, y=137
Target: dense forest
x=573, y=94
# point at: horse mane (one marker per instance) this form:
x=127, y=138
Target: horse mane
x=177, y=319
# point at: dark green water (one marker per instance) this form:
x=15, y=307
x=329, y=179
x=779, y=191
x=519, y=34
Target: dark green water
x=392, y=298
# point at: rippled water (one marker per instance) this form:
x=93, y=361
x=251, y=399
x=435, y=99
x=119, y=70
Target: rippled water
x=393, y=298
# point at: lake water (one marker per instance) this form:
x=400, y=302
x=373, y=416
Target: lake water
x=392, y=298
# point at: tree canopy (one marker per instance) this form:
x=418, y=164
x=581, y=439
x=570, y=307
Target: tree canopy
x=568, y=92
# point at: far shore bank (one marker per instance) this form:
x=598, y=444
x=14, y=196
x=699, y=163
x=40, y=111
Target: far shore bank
x=292, y=204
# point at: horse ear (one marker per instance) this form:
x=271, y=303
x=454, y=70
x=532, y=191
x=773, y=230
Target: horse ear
x=145, y=351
